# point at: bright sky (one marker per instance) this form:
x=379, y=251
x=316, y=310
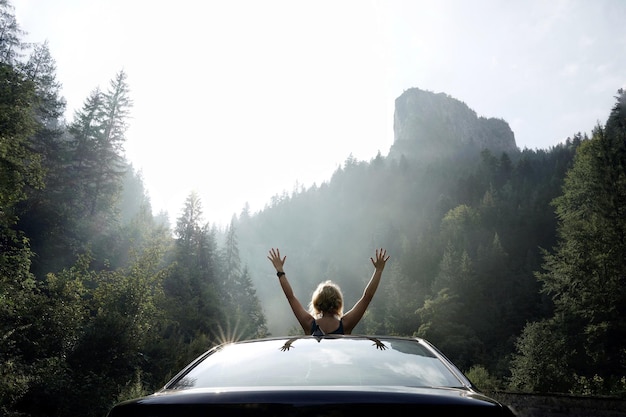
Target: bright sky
x=241, y=100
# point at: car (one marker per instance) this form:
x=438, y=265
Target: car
x=331, y=375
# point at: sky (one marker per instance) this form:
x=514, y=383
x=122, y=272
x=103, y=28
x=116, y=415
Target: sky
x=243, y=100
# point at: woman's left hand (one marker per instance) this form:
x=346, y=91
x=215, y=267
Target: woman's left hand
x=278, y=263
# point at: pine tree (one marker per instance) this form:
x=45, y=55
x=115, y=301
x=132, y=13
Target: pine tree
x=19, y=166
x=442, y=318
x=586, y=273
x=109, y=164
x=97, y=160
x=232, y=266
x=41, y=70
x=241, y=302
x=42, y=213
x=194, y=303
x=11, y=45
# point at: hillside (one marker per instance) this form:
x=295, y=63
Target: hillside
x=445, y=162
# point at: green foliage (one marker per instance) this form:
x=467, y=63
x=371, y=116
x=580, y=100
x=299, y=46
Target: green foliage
x=11, y=44
x=597, y=386
x=394, y=309
x=480, y=376
x=15, y=382
x=443, y=325
x=99, y=136
x=19, y=169
x=84, y=170
x=239, y=292
x=49, y=105
x=542, y=362
x=585, y=273
x=133, y=389
x=19, y=166
x=106, y=342
x=43, y=327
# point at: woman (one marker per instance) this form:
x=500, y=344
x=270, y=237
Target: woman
x=325, y=315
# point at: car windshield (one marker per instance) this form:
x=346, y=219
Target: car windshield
x=319, y=362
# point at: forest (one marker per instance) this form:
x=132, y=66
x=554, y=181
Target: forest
x=512, y=263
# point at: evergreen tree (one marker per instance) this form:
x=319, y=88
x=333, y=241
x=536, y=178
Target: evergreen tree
x=41, y=70
x=232, y=266
x=442, y=324
x=11, y=45
x=97, y=160
x=80, y=206
x=194, y=303
x=42, y=213
x=86, y=132
x=395, y=307
x=109, y=166
x=20, y=167
x=241, y=302
x=251, y=308
x=586, y=273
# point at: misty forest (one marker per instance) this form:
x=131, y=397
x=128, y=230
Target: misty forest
x=512, y=261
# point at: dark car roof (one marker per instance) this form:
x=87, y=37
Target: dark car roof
x=331, y=375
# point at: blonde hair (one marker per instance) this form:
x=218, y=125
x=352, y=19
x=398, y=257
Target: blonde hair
x=327, y=298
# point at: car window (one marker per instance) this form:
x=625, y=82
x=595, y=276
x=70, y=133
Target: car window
x=329, y=361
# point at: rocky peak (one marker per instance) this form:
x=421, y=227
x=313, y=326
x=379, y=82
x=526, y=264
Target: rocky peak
x=427, y=124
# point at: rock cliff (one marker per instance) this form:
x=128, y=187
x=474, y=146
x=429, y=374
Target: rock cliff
x=430, y=125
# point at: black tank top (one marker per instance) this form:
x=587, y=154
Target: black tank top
x=316, y=331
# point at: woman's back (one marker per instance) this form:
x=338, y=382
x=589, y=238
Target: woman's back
x=328, y=325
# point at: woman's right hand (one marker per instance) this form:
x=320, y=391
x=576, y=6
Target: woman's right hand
x=381, y=259
x=276, y=260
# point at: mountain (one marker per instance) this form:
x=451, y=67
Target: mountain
x=429, y=125
x=438, y=162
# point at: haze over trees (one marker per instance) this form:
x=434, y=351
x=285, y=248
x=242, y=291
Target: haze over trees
x=99, y=299
x=511, y=261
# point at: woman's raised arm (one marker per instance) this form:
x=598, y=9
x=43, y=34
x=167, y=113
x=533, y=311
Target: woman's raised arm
x=352, y=317
x=304, y=317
